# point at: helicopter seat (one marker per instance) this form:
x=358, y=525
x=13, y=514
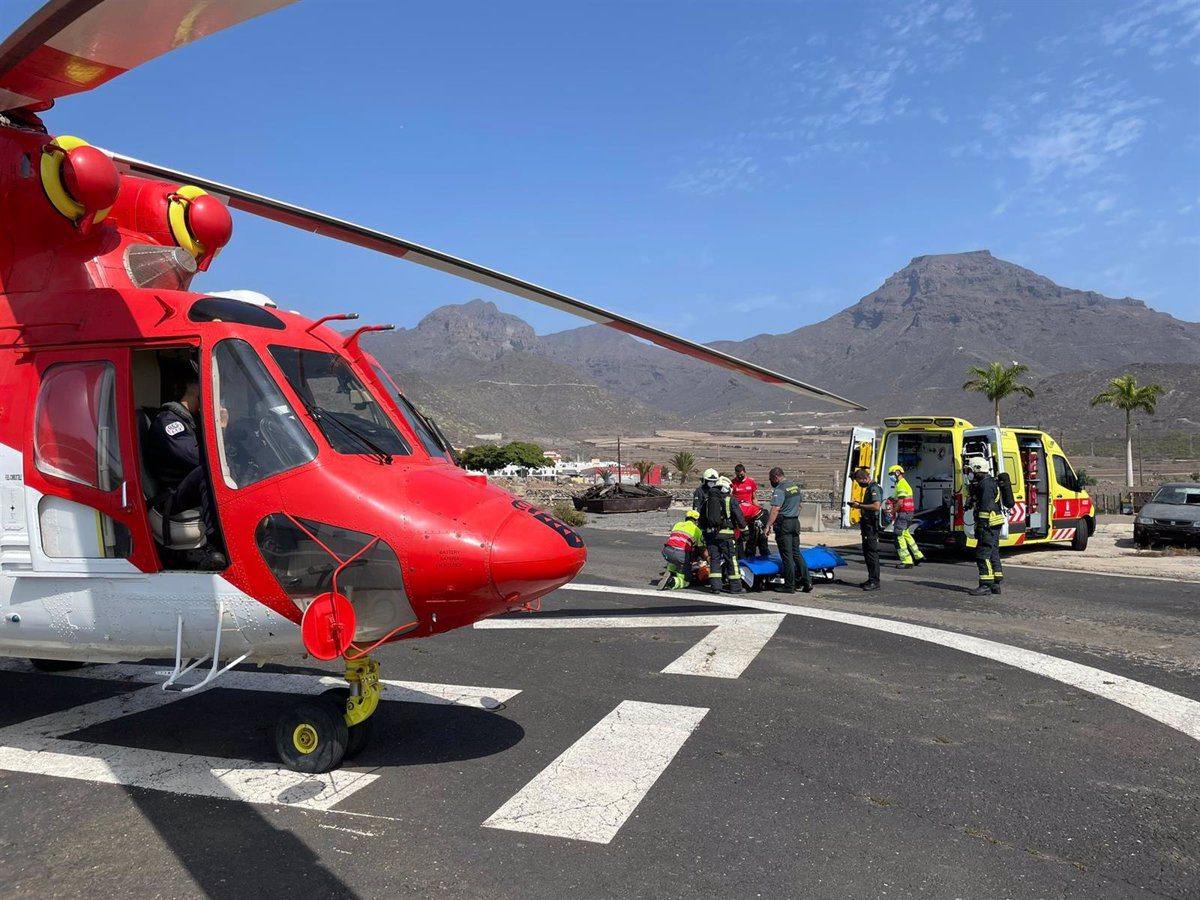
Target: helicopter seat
x=183, y=529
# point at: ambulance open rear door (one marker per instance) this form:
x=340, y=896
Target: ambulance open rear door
x=861, y=453
x=985, y=442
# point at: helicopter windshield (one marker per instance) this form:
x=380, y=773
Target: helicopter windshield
x=349, y=417
x=422, y=427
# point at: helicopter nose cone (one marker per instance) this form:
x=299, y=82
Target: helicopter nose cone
x=532, y=554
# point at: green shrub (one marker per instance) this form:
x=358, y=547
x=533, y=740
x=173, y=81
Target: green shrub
x=565, y=511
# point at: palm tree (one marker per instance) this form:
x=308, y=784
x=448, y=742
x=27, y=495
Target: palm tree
x=685, y=464
x=1124, y=394
x=998, y=381
x=644, y=467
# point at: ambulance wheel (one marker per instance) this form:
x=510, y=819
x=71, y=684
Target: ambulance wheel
x=360, y=734
x=56, y=665
x=1079, y=542
x=312, y=737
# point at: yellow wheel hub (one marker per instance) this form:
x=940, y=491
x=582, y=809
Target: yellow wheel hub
x=304, y=738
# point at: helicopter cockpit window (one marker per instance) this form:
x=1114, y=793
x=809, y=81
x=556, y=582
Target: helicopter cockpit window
x=345, y=411
x=226, y=309
x=417, y=422
x=75, y=430
x=258, y=433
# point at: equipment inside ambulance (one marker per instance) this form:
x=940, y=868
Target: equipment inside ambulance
x=1043, y=499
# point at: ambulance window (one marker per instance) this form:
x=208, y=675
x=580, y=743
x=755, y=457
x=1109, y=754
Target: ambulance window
x=1063, y=474
x=342, y=407
x=258, y=433
x=75, y=425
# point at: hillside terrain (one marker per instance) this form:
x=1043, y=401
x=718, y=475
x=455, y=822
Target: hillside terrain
x=904, y=347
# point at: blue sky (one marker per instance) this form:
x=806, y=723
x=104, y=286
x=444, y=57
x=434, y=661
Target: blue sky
x=719, y=169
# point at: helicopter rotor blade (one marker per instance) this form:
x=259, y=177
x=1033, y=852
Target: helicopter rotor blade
x=71, y=46
x=349, y=232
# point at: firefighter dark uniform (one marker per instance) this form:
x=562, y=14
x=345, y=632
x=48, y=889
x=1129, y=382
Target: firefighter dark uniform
x=984, y=499
x=718, y=536
x=174, y=460
x=868, y=524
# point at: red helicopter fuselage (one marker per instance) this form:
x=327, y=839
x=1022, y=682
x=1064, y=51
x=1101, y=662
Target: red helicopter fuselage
x=91, y=314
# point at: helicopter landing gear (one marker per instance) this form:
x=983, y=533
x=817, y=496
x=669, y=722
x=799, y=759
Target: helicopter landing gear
x=317, y=734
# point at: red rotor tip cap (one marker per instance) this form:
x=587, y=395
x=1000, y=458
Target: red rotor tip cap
x=328, y=626
x=210, y=224
x=92, y=180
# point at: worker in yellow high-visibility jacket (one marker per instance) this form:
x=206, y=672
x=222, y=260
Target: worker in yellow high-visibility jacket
x=903, y=510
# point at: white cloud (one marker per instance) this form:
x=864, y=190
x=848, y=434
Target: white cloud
x=720, y=176
x=1158, y=28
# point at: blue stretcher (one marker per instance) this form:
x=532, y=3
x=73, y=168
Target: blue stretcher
x=821, y=561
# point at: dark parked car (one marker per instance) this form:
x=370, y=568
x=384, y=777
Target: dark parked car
x=1171, y=516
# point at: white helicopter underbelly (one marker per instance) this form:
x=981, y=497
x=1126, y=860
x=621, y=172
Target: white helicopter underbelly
x=71, y=607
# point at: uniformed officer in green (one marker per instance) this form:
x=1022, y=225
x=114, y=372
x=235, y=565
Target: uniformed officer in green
x=868, y=523
x=984, y=498
x=785, y=519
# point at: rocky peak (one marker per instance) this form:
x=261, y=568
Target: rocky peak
x=477, y=329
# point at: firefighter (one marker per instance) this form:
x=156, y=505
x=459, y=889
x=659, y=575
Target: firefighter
x=984, y=498
x=707, y=480
x=681, y=551
x=868, y=525
x=785, y=519
x=903, y=509
x=718, y=518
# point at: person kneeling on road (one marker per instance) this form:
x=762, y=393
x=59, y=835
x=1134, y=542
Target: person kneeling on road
x=718, y=517
x=681, y=551
x=903, y=510
x=868, y=524
x=785, y=519
x=984, y=498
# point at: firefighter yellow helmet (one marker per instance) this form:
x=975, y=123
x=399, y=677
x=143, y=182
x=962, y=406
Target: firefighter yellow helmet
x=711, y=475
x=896, y=470
x=692, y=514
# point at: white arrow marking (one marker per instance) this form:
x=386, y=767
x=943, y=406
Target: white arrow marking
x=589, y=791
x=725, y=652
x=37, y=746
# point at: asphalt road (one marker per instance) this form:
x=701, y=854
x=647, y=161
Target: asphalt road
x=830, y=760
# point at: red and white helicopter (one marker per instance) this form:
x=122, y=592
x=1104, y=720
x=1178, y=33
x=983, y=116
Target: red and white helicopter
x=346, y=523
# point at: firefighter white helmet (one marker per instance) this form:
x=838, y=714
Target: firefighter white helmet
x=978, y=465
x=711, y=475
x=725, y=483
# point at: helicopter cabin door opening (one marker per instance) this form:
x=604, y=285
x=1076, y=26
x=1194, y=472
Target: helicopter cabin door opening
x=159, y=376
x=931, y=469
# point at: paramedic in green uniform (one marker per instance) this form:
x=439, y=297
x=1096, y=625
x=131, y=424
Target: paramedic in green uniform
x=903, y=510
x=785, y=518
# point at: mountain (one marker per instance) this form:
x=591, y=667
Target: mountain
x=908, y=343
x=477, y=370
x=903, y=348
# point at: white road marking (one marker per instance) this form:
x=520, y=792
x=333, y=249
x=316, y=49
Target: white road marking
x=725, y=652
x=589, y=791
x=1173, y=710
x=37, y=746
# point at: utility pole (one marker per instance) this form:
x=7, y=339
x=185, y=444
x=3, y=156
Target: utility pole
x=619, y=459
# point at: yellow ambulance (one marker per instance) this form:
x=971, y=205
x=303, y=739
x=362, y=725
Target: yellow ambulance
x=1050, y=503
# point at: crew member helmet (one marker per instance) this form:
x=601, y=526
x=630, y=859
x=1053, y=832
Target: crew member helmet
x=896, y=470
x=711, y=475
x=692, y=514
x=978, y=465
x=725, y=482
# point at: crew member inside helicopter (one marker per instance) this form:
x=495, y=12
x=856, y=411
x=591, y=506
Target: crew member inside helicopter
x=178, y=466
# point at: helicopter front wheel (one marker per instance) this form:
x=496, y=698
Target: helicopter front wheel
x=312, y=737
